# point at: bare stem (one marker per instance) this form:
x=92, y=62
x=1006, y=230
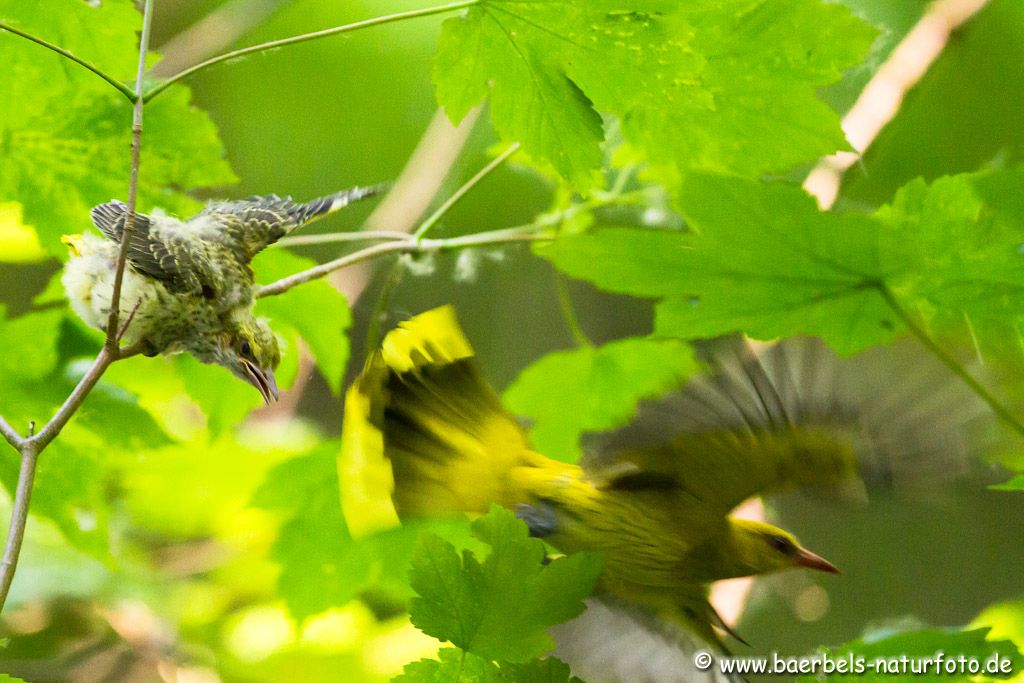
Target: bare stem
x=36, y=442
x=466, y=187
x=950, y=362
x=133, y=183
x=19, y=517
x=333, y=237
x=235, y=54
x=409, y=245
x=72, y=403
x=10, y=434
x=121, y=87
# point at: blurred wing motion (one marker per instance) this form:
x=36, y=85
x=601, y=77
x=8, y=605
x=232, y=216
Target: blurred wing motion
x=892, y=416
x=423, y=424
x=423, y=429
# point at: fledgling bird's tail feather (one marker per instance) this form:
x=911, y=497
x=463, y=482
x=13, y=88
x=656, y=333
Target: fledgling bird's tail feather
x=325, y=206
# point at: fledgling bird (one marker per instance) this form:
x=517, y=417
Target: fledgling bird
x=188, y=285
x=423, y=420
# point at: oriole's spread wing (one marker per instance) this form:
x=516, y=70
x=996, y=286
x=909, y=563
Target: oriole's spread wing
x=717, y=470
x=182, y=265
x=796, y=416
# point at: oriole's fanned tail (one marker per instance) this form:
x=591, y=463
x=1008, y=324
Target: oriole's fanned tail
x=422, y=407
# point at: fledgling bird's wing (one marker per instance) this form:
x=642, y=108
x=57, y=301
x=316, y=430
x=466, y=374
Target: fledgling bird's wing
x=249, y=225
x=213, y=248
x=162, y=255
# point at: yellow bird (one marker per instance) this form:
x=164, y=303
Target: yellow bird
x=423, y=423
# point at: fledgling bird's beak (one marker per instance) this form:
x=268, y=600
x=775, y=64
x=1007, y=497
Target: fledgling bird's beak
x=263, y=380
x=805, y=558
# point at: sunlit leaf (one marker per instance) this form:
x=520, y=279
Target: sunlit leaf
x=452, y=666
x=712, y=85
x=1014, y=484
x=18, y=242
x=955, y=651
x=764, y=260
x=67, y=133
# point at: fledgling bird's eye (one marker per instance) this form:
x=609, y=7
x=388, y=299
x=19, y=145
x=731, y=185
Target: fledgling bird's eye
x=246, y=349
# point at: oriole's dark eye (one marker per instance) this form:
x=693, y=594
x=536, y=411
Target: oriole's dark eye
x=246, y=348
x=782, y=544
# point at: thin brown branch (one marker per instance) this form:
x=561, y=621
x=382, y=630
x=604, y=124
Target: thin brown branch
x=407, y=246
x=133, y=184
x=74, y=401
x=262, y=47
x=316, y=272
x=19, y=517
x=10, y=434
x=32, y=446
x=334, y=237
x=121, y=87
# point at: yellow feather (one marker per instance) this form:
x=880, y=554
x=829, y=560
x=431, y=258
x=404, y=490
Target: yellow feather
x=73, y=243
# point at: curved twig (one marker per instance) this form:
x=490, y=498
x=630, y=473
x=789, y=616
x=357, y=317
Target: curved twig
x=409, y=245
x=950, y=362
x=32, y=446
x=464, y=189
x=121, y=87
x=293, y=40
x=19, y=518
x=133, y=184
x=333, y=237
x=9, y=433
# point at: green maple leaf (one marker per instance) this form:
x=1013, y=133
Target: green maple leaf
x=500, y=608
x=66, y=134
x=762, y=259
x=459, y=666
x=717, y=85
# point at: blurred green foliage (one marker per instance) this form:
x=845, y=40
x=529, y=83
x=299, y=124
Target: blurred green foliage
x=950, y=652
x=176, y=530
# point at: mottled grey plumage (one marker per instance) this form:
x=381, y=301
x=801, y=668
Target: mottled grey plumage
x=209, y=254
x=189, y=284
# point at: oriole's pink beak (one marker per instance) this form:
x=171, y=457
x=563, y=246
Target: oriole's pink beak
x=805, y=558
